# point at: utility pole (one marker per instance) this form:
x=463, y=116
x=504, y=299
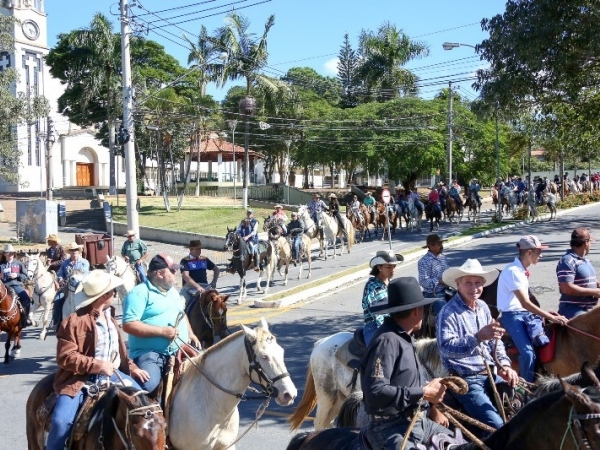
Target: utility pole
x=112, y=187
x=497, y=150
x=49, y=143
x=287, y=143
x=449, y=134
x=128, y=126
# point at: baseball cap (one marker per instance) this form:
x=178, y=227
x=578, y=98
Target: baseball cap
x=162, y=261
x=530, y=242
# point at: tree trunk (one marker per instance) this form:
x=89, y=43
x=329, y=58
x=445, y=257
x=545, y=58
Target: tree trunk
x=305, y=181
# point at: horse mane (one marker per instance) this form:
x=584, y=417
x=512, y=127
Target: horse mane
x=429, y=355
x=104, y=410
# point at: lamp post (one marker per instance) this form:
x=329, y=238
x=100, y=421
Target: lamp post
x=115, y=155
x=287, y=143
x=42, y=137
x=50, y=140
x=449, y=134
x=232, y=124
x=451, y=45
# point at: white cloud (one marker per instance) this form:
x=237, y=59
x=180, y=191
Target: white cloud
x=331, y=66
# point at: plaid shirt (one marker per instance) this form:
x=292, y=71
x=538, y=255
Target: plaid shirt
x=431, y=268
x=108, y=339
x=457, y=325
x=375, y=293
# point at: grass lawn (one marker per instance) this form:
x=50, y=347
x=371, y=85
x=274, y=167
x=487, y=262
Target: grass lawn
x=211, y=220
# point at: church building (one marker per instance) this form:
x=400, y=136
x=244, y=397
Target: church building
x=76, y=157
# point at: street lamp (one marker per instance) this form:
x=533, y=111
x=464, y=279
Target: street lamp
x=287, y=143
x=232, y=124
x=451, y=45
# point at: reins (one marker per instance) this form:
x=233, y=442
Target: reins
x=585, y=333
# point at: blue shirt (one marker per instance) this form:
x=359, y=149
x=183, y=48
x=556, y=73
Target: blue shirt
x=197, y=268
x=15, y=266
x=374, y=293
x=460, y=351
x=81, y=264
x=145, y=303
x=572, y=268
x=431, y=268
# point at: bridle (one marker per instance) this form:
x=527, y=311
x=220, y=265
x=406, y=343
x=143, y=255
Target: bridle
x=4, y=313
x=208, y=318
x=230, y=241
x=147, y=412
x=579, y=436
x=34, y=275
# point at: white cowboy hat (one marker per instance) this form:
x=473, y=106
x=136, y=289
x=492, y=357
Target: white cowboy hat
x=471, y=267
x=75, y=246
x=95, y=285
x=278, y=206
x=332, y=196
x=8, y=248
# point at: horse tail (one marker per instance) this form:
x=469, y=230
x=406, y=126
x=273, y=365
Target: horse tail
x=298, y=440
x=306, y=405
x=349, y=411
x=351, y=234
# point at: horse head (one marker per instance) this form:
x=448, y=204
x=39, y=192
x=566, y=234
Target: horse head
x=32, y=265
x=74, y=281
x=230, y=238
x=267, y=366
x=268, y=223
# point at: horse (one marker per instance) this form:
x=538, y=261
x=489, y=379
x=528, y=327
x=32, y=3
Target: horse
x=507, y=200
x=432, y=213
x=362, y=226
x=283, y=250
x=333, y=230
x=310, y=227
x=241, y=261
x=11, y=321
x=44, y=289
x=74, y=286
x=570, y=416
x=454, y=211
x=208, y=317
x=414, y=215
x=383, y=218
x=329, y=382
x=123, y=418
x=120, y=268
x=473, y=206
x=218, y=378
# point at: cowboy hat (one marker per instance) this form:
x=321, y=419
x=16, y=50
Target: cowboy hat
x=95, y=284
x=316, y=194
x=8, y=248
x=386, y=257
x=195, y=243
x=278, y=206
x=130, y=233
x=75, y=246
x=434, y=239
x=53, y=238
x=404, y=293
x=368, y=193
x=471, y=267
x=332, y=196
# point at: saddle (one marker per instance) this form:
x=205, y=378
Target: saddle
x=351, y=352
x=179, y=365
x=544, y=354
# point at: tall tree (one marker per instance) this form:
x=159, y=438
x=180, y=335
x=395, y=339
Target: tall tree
x=347, y=67
x=202, y=56
x=383, y=56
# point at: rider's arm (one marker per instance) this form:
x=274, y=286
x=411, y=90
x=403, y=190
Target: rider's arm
x=254, y=230
x=212, y=266
x=68, y=356
x=124, y=250
x=425, y=279
x=143, y=251
x=188, y=281
x=85, y=266
x=134, y=306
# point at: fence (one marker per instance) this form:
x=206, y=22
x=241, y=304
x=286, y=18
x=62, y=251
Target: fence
x=271, y=193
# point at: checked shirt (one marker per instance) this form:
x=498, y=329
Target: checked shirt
x=431, y=268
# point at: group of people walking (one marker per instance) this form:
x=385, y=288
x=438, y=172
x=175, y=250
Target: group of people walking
x=395, y=384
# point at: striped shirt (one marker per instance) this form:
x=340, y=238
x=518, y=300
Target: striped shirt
x=375, y=293
x=460, y=351
x=107, y=339
x=572, y=268
x=431, y=268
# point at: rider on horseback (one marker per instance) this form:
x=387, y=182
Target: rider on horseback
x=13, y=275
x=393, y=380
x=443, y=193
x=193, y=272
x=401, y=205
x=55, y=253
x=474, y=188
x=280, y=218
x=355, y=205
x=369, y=202
x=314, y=207
x=434, y=199
x=296, y=229
x=248, y=230
x=520, y=188
x=334, y=210
x=134, y=251
x=454, y=192
x=417, y=200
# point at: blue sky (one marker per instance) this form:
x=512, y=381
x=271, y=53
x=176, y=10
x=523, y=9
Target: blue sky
x=310, y=32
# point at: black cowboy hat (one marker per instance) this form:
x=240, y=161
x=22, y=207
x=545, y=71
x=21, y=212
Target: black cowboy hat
x=404, y=293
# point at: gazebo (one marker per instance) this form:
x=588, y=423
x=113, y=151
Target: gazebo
x=227, y=157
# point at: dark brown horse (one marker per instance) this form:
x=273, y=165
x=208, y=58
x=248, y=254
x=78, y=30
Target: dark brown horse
x=123, y=419
x=362, y=226
x=383, y=219
x=433, y=214
x=11, y=321
x=570, y=417
x=208, y=317
x=453, y=210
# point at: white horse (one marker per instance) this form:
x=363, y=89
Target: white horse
x=333, y=231
x=304, y=252
x=74, y=286
x=118, y=267
x=44, y=289
x=414, y=216
x=204, y=412
x=328, y=381
x=311, y=229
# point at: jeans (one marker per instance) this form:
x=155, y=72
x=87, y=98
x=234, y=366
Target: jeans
x=185, y=293
x=65, y=413
x=154, y=363
x=296, y=241
x=253, y=250
x=57, y=307
x=514, y=323
x=389, y=434
x=476, y=402
x=570, y=310
x=369, y=330
x=141, y=270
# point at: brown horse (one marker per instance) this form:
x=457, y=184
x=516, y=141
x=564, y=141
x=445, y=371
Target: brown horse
x=122, y=419
x=382, y=218
x=208, y=317
x=11, y=321
x=453, y=210
x=362, y=226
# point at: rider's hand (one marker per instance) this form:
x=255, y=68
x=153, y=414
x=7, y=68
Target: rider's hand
x=107, y=368
x=126, y=258
x=195, y=341
x=140, y=374
x=434, y=391
x=508, y=374
x=169, y=333
x=13, y=275
x=557, y=318
x=491, y=331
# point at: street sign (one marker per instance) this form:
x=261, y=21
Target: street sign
x=386, y=196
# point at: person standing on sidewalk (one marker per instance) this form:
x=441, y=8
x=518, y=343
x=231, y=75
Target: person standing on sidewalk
x=520, y=317
x=579, y=288
x=135, y=251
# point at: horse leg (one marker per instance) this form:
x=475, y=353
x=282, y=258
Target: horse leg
x=16, y=350
x=7, y=347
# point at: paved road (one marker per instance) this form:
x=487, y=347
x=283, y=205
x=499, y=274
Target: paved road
x=299, y=326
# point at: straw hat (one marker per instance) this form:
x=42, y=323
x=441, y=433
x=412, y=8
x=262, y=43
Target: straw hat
x=471, y=267
x=332, y=196
x=8, y=248
x=278, y=206
x=75, y=246
x=95, y=285
x=53, y=238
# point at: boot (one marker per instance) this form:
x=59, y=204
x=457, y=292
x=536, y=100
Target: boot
x=255, y=259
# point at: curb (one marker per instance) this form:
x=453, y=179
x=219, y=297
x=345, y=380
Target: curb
x=415, y=253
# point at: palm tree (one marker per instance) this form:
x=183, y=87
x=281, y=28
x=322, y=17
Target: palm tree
x=246, y=56
x=382, y=57
x=202, y=56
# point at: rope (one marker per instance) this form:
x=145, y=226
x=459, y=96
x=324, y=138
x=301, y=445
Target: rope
x=497, y=398
x=467, y=433
x=457, y=414
x=577, y=330
x=569, y=429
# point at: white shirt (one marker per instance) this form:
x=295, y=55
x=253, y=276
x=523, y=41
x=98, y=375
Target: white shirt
x=513, y=278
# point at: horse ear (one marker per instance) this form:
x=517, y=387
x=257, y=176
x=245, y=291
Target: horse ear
x=588, y=376
x=263, y=324
x=225, y=297
x=129, y=400
x=575, y=396
x=249, y=332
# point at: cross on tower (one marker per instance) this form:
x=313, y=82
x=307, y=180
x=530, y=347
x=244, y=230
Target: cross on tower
x=4, y=61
